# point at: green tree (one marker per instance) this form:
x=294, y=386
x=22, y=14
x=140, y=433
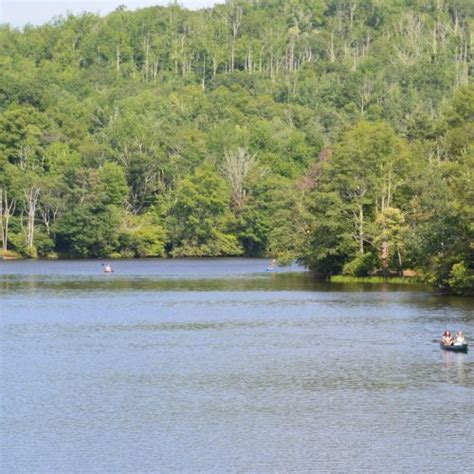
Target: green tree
x=91, y=226
x=199, y=218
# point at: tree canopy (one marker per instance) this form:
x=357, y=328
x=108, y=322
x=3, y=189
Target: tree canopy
x=338, y=133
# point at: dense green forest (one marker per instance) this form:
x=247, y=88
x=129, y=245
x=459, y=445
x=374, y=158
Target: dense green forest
x=336, y=132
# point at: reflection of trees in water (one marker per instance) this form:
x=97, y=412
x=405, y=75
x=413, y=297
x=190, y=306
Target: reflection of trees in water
x=285, y=281
x=270, y=282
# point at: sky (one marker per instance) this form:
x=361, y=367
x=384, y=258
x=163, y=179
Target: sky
x=19, y=13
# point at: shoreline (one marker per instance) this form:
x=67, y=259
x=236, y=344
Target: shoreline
x=376, y=280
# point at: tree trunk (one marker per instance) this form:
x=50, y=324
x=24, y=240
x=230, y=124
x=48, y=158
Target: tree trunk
x=117, y=58
x=32, y=196
x=203, y=82
x=385, y=258
x=400, y=263
x=331, y=51
x=146, y=47
x=6, y=210
x=232, y=56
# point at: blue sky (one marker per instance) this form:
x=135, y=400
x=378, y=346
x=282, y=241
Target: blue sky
x=18, y=13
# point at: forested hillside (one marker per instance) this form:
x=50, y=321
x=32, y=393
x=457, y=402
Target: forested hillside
x=337, y=132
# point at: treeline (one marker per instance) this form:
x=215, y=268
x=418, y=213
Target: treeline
x=339, y=133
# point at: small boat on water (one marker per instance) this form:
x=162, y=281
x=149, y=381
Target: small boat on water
x=454, y=348
x=107, y=268
x=271, y=266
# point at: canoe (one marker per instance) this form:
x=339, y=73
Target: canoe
x=458, y=348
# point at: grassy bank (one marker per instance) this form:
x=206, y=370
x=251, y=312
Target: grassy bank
x=9, y=254
x=376, y=279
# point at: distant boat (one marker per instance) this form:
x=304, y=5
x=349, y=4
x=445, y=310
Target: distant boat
x=454, y=347
x=271, y=266
x=107, y=269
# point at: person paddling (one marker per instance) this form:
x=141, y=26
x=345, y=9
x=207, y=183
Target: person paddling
x=107, y=268
x=447, y=339
x=460, y=339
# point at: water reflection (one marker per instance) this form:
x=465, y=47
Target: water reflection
x=458, y=368
x=271, y=282
x=174, y=368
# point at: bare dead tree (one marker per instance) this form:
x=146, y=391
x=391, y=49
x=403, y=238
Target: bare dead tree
x=235, y=20
x=32, y=194
x=236, y=167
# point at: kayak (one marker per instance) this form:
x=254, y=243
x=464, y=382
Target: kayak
x=454, y=348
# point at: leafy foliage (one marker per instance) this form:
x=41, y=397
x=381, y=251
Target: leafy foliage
x=337, y=133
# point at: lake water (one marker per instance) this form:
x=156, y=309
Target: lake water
x=214, y=365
